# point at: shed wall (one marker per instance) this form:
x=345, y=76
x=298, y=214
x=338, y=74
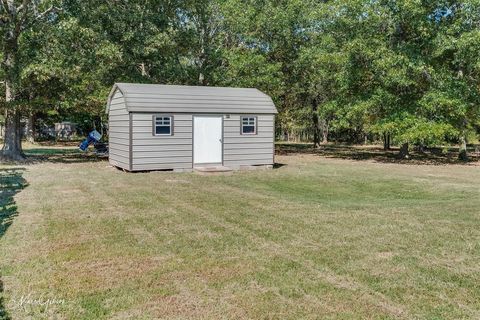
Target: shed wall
x=151, y=152
x=242, y=150
x=118, y=124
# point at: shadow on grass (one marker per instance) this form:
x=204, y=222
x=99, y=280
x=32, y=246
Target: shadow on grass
x=11, y=183
x=433, y=156
x=60, y=155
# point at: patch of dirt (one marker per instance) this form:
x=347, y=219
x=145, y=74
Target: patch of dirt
x=178, y=181
x=109, y=272
x=385, y=255
x=69, y=191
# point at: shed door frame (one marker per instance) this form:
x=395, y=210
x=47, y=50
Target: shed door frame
x=221, y=139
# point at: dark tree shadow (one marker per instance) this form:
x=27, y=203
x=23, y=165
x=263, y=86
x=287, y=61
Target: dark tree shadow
x=11, y=183
x=433, y=156
x=61, y=155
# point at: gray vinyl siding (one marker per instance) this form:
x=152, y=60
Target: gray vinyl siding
x=243, y=150
x=118, y=124
x=134, y=147
x=150, y=152
x=189, y=99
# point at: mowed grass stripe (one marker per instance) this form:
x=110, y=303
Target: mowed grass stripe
x=315, y=238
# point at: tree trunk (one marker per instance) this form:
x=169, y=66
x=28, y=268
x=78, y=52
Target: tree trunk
x=12, y=144
x=30, y=134
x=325, y=136
x=324, y=126
x=463, y=155
x=316, y=124
x=143, y=69
x=12, y=140
x=421, y=148
x=404, y=154
x=386, y=141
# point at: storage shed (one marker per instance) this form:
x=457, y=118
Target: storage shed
x=157, y=127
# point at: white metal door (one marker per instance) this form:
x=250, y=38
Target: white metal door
x=207, y=140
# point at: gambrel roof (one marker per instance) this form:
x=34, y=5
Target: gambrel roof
x=158, y=98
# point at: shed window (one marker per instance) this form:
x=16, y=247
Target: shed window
x=163, y=125
x=249, y=125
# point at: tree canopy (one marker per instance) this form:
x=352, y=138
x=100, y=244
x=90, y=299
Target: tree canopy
x=347, y=70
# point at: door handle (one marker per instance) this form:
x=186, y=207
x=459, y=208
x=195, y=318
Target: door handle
x=220, y=140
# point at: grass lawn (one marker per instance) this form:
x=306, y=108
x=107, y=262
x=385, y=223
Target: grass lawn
x=315, y=238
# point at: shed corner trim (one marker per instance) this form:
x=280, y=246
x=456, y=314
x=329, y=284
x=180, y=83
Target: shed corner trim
x=111, y=94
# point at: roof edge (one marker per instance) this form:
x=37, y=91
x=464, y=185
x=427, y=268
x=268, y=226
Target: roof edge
x=111, y=94
x=121, y=87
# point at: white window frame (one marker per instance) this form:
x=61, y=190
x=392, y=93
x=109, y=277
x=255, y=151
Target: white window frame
x=255, y=125
x=155, y=124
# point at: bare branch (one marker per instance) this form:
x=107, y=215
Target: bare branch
x=6, y=6
x=35, y=9
x=22, y=6
x=47, y=12
x=37, y=16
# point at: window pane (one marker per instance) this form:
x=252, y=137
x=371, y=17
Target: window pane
x=249, y=125
x=162, y=120
x=248, y=129
x=248, y=121
x=162, y=129
x=163, y=125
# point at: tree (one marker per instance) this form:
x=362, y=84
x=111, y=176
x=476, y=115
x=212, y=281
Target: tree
x=321, y=69
x=456, y=93
x=347, y=70
x=16, y=19
x=278, y=30
x=146, y=33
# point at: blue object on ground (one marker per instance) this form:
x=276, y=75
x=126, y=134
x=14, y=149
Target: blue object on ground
x=92, y=137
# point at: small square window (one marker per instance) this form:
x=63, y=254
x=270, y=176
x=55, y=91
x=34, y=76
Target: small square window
x=249, y=125
x=163, y=125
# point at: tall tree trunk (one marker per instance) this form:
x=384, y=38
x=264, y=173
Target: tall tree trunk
x=30, y=132
x=12, y=144
x=12, y=141
x=315, y=124
x=324, y=126
x=463, y=155
x=386, y=141
x=404, y=153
